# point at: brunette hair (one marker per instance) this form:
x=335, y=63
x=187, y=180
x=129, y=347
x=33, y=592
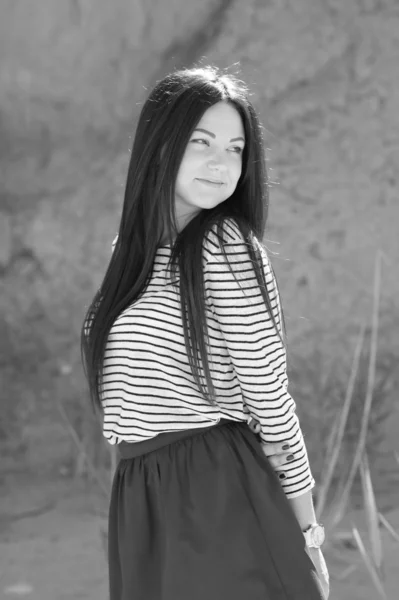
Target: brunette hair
x=167, y=120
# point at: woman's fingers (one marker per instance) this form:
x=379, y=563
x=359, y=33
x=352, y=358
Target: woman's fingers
x=279, y=455
x=278, y=461
x=275, y=449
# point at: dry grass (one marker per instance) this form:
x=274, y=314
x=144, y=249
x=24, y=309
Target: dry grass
x=372, y=558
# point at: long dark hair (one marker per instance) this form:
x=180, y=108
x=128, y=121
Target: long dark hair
x=167, y=120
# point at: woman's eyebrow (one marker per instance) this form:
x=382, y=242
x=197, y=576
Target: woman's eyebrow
x=213, y=135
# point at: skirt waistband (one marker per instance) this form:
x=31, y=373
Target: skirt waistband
x=133, y=449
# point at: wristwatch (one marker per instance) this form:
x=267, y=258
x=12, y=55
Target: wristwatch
x=314, y=535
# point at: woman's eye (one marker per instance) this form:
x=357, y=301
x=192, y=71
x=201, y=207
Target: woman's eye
x=205, y=142
x=201, y=140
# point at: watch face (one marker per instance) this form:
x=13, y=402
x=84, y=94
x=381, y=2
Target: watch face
x=318, y=535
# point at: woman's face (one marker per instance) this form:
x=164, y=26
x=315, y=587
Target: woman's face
x=212, y=163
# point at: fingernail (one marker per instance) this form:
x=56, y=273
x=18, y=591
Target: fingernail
x=282, y=475
x=286, y=447
x=290, y=457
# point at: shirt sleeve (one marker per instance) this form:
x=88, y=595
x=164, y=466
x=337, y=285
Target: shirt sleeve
x=256, y=351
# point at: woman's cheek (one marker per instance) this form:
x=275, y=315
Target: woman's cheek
x=236, y=170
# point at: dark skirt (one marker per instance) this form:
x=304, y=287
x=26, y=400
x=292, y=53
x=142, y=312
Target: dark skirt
x=201, y=515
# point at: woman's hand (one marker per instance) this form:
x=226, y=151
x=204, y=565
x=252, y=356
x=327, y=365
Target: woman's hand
x=276, y=453
x=317, y=558
x=278, y=458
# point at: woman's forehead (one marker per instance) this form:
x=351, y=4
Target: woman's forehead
x=222, y=118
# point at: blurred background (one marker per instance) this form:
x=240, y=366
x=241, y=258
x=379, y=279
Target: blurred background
x=73, y=76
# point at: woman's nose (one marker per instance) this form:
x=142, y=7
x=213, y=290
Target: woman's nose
x=216, y=162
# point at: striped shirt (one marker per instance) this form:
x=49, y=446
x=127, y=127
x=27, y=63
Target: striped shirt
x=148, y=387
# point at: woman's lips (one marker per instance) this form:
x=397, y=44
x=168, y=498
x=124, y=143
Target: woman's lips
x=211, y=183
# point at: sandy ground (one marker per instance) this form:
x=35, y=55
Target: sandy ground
x=51, y=545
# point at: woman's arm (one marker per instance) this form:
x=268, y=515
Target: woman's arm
x=255, y=348
x=304, y=509
x=305, y=513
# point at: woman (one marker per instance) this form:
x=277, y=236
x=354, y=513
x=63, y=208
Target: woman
x=198, y=508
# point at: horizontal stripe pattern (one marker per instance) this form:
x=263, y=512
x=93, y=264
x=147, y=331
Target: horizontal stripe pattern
x=148, y=385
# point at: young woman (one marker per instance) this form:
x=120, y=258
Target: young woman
x=183, y=345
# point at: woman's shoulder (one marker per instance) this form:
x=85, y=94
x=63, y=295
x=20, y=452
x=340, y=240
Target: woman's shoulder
x=236, y=240
x=223, y=232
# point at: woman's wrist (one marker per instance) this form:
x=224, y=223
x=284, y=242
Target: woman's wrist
x=304, y=509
